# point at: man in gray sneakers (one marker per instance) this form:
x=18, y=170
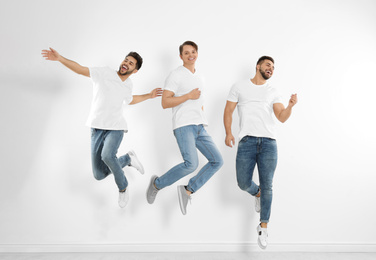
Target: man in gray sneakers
x=182, y=93
x=258, y=102
x=111, y=91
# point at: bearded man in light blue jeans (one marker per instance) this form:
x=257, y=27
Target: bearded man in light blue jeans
x=182, y=93
x=258, y=102
x=112, y=90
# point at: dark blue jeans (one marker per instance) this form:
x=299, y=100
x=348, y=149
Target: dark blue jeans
x=104, y=147
x=263, y=152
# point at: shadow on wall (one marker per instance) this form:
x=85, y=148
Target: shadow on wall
x=25, y=107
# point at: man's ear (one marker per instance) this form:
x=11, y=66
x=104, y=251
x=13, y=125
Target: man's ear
x=134, y=71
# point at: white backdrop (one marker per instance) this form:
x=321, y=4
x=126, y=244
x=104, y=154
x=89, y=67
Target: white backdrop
x=324, y=187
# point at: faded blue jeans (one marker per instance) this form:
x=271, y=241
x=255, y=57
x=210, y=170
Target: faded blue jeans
x=263, y=152
x=190, y=138
x=104, y=147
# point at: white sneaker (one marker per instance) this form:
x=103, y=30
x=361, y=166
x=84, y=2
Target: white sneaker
x=123, y=198
x=262, y=237
x=135, y=162
x=257, y=204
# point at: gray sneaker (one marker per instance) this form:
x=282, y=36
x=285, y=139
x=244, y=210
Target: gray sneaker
x=152, y=191
x=135, y=162
x=183, y=198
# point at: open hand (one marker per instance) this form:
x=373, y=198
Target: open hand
x=50, y=54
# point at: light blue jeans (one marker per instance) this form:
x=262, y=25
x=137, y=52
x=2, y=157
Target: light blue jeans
x=263, y=152
x=189, y=138
x=104, y=147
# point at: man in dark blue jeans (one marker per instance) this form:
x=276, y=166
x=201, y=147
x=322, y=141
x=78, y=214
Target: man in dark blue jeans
x=257, y=101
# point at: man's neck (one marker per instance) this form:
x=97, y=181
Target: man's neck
x=258, y=80
x=123, y=77
x=190, y=67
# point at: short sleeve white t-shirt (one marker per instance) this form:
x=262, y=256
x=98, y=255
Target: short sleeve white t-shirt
x=110, y=94
x=182, y=81
x=255, y=108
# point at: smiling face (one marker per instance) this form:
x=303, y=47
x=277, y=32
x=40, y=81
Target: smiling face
x=266, y=69
x=128, y=66
x=189, y=55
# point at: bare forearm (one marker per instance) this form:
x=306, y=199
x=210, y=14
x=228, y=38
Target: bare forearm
x=140, y=98
x=169, y=102
x=227, y=120
x=74, y=66
x=285, y=114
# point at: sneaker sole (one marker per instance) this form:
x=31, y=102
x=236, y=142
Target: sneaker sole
x=260, y=245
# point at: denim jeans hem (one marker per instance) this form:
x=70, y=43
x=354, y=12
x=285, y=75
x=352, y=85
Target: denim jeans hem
x=155, y=185
x=189, y=189
x=256, y=192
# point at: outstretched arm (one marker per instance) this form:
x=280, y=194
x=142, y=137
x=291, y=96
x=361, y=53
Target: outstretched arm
x=53, y=55
x=157, y=92
x=282, y=113
x=227, y=120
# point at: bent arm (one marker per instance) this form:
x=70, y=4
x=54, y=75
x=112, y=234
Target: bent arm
x=53, y=55
x=227, y=120
x=282, y=113
x=157, y=92
x=169, y=100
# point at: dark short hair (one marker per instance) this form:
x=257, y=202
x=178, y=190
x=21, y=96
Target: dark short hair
x=194, y=45
x=261, y=60
x=137, y=57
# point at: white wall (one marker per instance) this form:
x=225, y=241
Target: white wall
x=324, y=189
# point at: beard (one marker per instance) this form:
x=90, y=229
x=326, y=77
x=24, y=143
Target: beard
x=264, y=75
x=126, y=73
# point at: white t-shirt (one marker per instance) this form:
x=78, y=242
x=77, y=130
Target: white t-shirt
x=110, y=94
x=255, y=108
x=182, y=81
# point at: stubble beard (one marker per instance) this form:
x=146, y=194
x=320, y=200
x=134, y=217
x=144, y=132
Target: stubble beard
x=263, y=74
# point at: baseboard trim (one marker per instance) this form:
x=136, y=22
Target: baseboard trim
x=183, y=247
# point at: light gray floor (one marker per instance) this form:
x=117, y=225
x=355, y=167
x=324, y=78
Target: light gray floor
x=188, y=256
